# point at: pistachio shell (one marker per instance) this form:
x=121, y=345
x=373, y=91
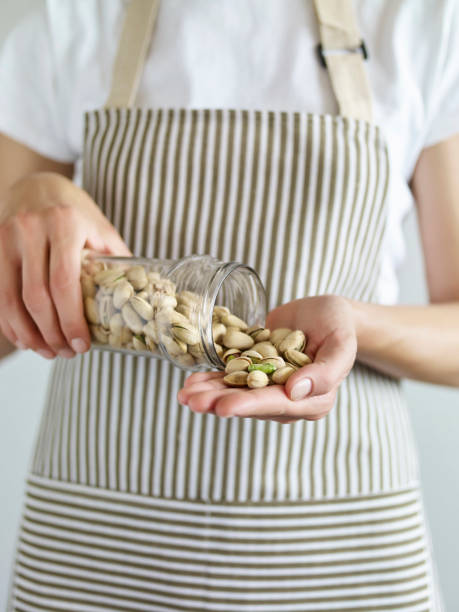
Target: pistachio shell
x=236, y=379
x=186, y=333
x=90, y=309
x=266, y=349
x=239, y=364
x=257, y=379
x=237, y=339
x=254, y=356
x=137, y=276
x=139, y=344
x=107, y=278
x=231, y=353
x=150, y=329
x=218, y=331
x=88, y=287
x=196, y=350
x=151, y=345
x=115, y=340
x=220, y=311
x=116, y=324
x=297, y=358
x=184, y=310
x=188, y=298
x=277, y=335
x=219, y=350
x=143, y=294
x=132, y=319
x=142, y=307
x=186, y=360
x=231, y=320
x=106, y=309
x=173, y=347
x=277, y=362
x=296, y=340
x=259, y=334
x=281, y=375
x=126, y=335
x=122, y=292
x=99, y=334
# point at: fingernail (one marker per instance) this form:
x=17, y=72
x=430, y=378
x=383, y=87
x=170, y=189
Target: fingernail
x=79, y=345
x=301, y=389
x=21, y=346
x=66, y=353
x=46, y=354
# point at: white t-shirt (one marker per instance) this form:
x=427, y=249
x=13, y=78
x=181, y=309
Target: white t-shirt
x=253, y=54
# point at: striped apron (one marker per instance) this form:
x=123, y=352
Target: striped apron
x=133, y=502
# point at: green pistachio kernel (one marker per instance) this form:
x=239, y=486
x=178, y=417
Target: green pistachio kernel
x=267, y=368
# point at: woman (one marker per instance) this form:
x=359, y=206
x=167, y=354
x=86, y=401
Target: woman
x=135, y=502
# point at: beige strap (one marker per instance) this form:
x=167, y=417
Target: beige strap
x=135, y=38
x=341, y=40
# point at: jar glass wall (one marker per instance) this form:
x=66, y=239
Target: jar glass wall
x=172, y=309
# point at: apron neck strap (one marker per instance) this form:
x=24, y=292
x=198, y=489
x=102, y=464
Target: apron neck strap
x=343, y=53
x=341, y=49
x=139, y=20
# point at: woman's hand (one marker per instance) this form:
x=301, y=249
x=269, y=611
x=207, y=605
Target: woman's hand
x=328, y=323
x=45, y=222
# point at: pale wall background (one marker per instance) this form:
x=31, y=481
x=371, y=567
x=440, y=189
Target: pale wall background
x=434, y=410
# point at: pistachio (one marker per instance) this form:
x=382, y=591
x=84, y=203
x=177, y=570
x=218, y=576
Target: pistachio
x=99, y=333
x=281, y=375
x=126, y=335
x=231, y=353
x=188, y=298
x=143, y=294
x=142, y=307
x=237, y=339
x=108, y=278
x=257, y=379
x=196, y=350
x=186, y=360
x=90, y=309
x=122, y=292
x=254, y=356
x=258, y=333
x=219, y=350
x=186, y=333
x=277, y=335
x=297, y=358
x=116, y=324
x=296, y=340
x=266, y=349
x=277, y=362
x=132, y=319
x=236, y=379
x=267, y=368
x=220, y=311
x=173, y=347
x=239, y=364
x=151, y=345
x=184, y=310
x=137, y=276
x=88, y=286
x=150, y=330
x=139, y=344
x=115, y=340
x=106, y=309
x=218, y=331
x=231, y=320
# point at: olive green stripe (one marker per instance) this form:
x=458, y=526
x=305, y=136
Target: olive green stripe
x=187, y=609
x=150, y=206
x=170, y=210
x=172, y=409
x=163, y=159
x=184, y=222
x=92, y=145
x=118, y=150
x=175, y=459
x=193, y=540
x=205, y=118
x=132, y=448
x=101, y=166
x=42, y=461
x=135, y=198
x=108, y=156
x=80, y=557
x=216, y=154
x=211, y=588
x=171, y=521
x=159, y=366
x=260, y=562
x=305, y=505
x=216, y=600
x=240, y=165
x=230, y=124
x=60, y=425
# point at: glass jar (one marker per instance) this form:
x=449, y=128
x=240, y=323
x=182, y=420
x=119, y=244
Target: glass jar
x=168, y=309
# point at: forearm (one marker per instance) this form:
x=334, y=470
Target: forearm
x=419, y=342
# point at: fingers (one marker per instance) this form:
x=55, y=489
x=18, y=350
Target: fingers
x=67, y=241
x=35, y=293
x=202, y=377
x=332, y=363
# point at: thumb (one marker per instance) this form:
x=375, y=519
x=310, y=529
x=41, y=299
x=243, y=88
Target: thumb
x=333, y=362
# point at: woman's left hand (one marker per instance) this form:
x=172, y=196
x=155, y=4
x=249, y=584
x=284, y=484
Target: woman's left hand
x=328, y=322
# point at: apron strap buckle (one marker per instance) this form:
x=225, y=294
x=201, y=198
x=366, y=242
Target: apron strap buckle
x=322, y=53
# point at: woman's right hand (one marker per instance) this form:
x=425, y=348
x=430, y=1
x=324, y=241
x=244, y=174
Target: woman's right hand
x=45, y=222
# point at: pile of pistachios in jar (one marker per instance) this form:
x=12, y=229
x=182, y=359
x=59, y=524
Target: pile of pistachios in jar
x=272, y=358
x=132, y=307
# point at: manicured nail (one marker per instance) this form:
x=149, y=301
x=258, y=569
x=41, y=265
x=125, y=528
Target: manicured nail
x=46, y=354
x=66, y=353
x=20, y=346
x=79, y=345
x=301, y=389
